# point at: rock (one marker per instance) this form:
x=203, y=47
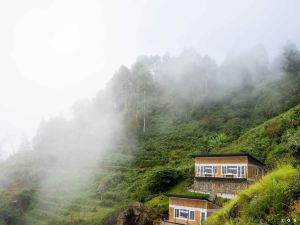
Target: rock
x=133, y=215
x=234, y=212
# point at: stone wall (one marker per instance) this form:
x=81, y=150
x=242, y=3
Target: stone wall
x=224, y=187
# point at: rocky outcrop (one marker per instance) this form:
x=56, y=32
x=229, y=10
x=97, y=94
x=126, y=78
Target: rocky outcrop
x=133, y=215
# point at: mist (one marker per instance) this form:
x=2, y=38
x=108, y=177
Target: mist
x=83, y=85
x=68, y=150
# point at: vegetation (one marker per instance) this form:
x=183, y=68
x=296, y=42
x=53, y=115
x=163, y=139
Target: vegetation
x=273, y=142
x=170, y=108
x=182, y=189
x=268, y=201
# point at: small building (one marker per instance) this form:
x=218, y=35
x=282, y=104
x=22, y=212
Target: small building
x=225, y=174
x=189, y=210
x=228, y=166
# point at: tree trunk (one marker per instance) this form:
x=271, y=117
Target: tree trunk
x=136, y=120
x=144, y=127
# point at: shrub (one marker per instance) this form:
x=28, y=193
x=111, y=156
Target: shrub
x=274, y=130
x=162, y=179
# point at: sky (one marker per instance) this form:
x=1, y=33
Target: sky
x=54, y=52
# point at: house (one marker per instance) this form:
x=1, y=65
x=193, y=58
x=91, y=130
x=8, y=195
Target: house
x=189, y=210
x=225, y=174
x=228, y=166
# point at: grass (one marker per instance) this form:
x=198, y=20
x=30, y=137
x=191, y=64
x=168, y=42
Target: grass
x=273, y=142
x=167, y=143
x=265, y=202
x=182, y=189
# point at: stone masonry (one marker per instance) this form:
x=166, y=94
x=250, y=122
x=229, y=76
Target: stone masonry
x=223, y=187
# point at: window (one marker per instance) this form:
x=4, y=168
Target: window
x=192, y=215
x=208, y=169
x=232, y=170
x=237, y=170
x=185, y=214
x=224, y=169
x=215, y=169
x=202, y=217
x=176, y=212
x=202, y=170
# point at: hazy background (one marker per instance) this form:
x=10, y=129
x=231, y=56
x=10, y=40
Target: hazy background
x=55, y=52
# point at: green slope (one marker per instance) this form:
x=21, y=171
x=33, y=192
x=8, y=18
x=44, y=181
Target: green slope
x=158, y=161
x=164, y=155
x=274, y=142
x=268, y=201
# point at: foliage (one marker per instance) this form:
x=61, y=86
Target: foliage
x=162, y=179
x=265, y=202
x=224, y=108
x=182, y=188
x=273, y=142
x=160, y=202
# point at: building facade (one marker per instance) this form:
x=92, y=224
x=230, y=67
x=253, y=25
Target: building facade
x=228, y=166
x=225, y=174
x=189, y=210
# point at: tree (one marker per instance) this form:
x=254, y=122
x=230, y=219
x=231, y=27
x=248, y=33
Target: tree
x=291, y=59
x=143, y=87
x=162, y=179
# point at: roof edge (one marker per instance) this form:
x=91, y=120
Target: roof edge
x=191, y=197
x=188, y=197
x=228, y=155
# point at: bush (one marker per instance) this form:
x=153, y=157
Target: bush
x=274, y=130
x=162, y=179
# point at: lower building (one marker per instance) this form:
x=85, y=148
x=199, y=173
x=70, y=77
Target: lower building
x=189, y=210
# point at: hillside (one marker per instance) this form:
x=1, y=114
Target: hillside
x=280, y=148
x=269, y=201
x=74, y=175
x=274, y=142
x=136, y=182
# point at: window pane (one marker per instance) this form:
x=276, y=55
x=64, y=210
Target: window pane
x=232, y=169
x=215, y=169
x=223, y=169
x=192, y=215
x=208, y=169
x=243, y=170
x=176, y=212
x=184, y=213
x=202, y=216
